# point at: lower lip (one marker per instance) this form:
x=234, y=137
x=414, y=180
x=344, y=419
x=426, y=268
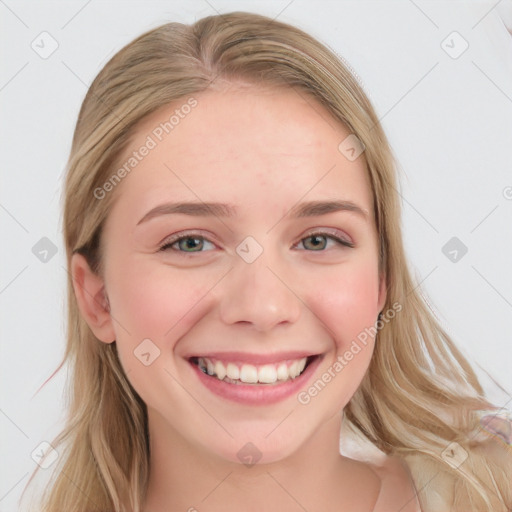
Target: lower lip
x=257, y=394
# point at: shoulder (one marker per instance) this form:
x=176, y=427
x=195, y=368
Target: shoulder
x=397, y=491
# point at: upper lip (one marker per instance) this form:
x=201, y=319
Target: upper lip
x=251, y=358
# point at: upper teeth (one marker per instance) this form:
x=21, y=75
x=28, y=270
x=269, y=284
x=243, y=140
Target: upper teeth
x=251, y=374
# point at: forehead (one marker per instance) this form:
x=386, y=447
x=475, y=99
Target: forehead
x=244, y=146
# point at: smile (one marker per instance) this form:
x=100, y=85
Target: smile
x=236, y=373
x=258, y=382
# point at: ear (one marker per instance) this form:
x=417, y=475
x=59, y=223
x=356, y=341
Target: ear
x=382, y=292
x=92, y=300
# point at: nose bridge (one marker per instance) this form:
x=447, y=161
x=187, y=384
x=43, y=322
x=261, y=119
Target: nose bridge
x=259, y=293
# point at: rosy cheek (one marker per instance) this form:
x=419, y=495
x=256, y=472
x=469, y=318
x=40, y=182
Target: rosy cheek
x=349, y=305
x=158, y=304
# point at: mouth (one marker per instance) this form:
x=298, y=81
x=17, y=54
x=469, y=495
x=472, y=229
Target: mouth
x=237, y=373
x=259, y=382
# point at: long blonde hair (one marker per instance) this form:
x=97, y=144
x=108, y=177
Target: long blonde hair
x=419, y=395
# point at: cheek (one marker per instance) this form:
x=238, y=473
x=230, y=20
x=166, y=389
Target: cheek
x=347, y=307
x=348, y=303
x=160, y=304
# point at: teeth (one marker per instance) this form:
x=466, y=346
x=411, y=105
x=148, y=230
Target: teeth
x=267, y=374
x=251, y=374
x=220, y=370
x=294, y=369
x=282, y=372
x=248, y=373
x=232, y=371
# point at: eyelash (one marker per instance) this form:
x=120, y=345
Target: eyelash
x=173, y=240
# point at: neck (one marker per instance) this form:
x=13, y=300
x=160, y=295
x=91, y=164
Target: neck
x=188, y=478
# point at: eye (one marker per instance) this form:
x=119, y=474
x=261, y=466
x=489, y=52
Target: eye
x=189, y=242
x=319, y=241
x=193, y=242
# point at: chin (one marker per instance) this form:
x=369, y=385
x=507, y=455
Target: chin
x=259, y=447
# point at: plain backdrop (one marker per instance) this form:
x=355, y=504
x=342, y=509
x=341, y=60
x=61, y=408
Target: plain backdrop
x=439, y=74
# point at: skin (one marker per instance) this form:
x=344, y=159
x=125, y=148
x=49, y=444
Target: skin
x=262, y=151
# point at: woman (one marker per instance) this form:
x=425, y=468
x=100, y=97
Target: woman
x=240, y=293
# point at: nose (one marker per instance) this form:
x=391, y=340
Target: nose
x=261, y=294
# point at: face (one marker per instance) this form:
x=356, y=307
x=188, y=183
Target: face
x=242, y=247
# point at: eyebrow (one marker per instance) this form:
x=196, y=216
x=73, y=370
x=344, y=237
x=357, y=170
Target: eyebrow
x=197, y=209
x=201, y=209
x=314, y=208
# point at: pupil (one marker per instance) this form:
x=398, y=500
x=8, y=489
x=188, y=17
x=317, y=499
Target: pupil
x=191, y=243
x=318, y=241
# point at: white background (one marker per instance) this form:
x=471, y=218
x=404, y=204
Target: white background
x=449, y=121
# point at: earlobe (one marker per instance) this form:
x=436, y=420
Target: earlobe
x=91, y=298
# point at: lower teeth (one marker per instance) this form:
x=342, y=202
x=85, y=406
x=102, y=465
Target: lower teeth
x=232, y=381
